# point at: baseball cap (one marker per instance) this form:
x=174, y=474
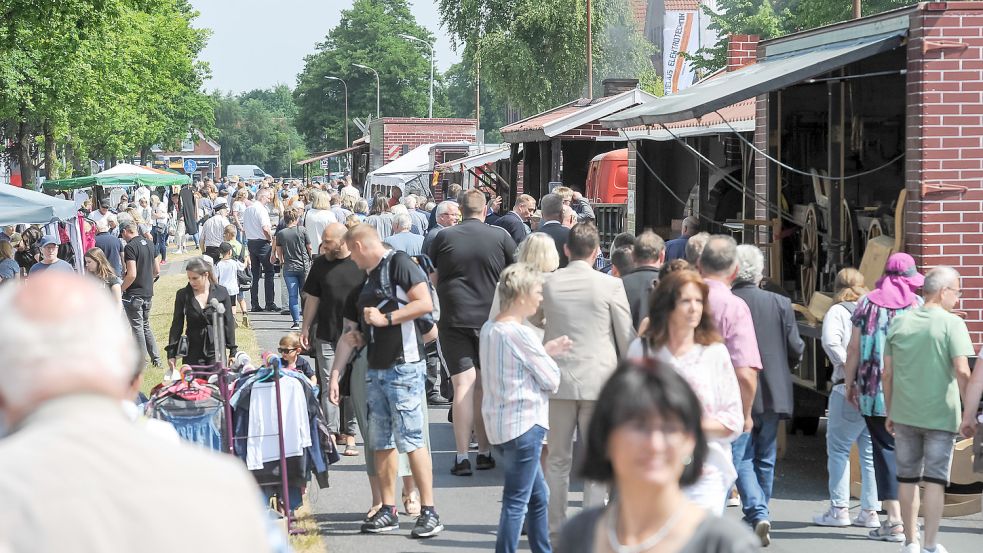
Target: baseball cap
x=48, y=240
x=225, y=248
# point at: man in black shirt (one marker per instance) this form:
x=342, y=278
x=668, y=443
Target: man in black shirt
x=469, y=258
x=333, y=277
x=140, y=261
x=552, y=207
x=388, y=306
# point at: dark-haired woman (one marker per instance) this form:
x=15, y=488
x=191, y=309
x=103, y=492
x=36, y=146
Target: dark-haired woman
x=682, y=335
x=647, y=438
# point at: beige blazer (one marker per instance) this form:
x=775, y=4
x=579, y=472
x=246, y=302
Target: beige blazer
x=591, y=308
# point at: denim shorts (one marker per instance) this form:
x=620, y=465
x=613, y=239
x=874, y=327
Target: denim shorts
x=394, y=401
x=923, y=455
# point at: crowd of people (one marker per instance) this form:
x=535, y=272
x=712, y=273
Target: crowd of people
x=669, y=363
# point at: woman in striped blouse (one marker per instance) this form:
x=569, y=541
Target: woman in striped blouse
x=518, y=373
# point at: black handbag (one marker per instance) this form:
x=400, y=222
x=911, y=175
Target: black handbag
x=345, y=384
x=245, y=278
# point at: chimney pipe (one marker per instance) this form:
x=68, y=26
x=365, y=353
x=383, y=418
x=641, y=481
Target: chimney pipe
x=617, y=86
x=741, y=50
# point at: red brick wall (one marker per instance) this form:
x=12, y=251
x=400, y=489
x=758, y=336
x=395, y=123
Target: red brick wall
x=741, y=50
x=945, y=147
x=413, y=131
x=588, y=131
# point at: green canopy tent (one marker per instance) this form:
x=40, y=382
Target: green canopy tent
x=123, y=174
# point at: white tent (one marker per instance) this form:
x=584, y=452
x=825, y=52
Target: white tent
x=414, y=164
x=19, y=206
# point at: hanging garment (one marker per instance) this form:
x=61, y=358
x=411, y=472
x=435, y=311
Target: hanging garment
x=189, y=210
x=262, y=444
x=198, y=417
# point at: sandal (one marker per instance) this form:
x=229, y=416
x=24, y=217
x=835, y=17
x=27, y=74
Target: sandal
x=350, y=451
x=411, y=503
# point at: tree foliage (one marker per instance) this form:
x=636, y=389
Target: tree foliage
x=98, y=78
x=258, y=127
x=460, y=79
x=533, y=52
x=773, y=18
x=367, y=34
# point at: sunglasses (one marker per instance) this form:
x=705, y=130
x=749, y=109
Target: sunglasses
x=287, y=350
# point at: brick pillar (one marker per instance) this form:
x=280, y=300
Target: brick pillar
x=944, y=161
x=741, y=50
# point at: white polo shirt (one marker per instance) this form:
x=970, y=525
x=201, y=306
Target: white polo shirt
x=254, y=218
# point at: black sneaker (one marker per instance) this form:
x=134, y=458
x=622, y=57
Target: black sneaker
x=484, y=462
x=427, y=525
x=462, y=469
x=438, y=400
x=273, y=307
x=384, y=520
x=256, y=309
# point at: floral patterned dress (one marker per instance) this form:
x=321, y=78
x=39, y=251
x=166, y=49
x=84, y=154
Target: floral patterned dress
x=873, y=322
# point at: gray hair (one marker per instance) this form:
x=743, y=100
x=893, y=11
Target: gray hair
x=443, y=206
x=47, y=356
x=402, y=221
x=719, y=255
x=939, y=278
x=750, y=264
x=201, y=266
x=128, y=226
x=409, y=201
x=551, y=205
x=320, y=200
x=694, y=247
x=517, y=280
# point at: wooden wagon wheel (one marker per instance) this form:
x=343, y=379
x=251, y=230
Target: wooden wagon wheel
x=874, y=230
x=900, y=218
x=809, y=247
x=848, y=234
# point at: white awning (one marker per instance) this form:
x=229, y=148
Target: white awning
x=477, y=160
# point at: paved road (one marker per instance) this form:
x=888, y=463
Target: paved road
x=469, y=506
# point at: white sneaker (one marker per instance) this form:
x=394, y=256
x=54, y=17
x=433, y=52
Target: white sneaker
x=912, y=548
x=938, y=549
x=734, y=499
x=835, y=516
x=867, y=519
x=762, y=529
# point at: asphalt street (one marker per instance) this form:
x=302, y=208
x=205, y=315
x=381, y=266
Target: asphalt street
x=469, y=506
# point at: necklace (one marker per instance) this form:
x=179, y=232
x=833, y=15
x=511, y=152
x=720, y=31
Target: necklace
x=648, y=543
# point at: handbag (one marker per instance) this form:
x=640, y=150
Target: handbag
x=345, y=384
x=245, y=278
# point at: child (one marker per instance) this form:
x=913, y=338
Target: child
x=239, y=253
x=227, y=274
x=290, y=353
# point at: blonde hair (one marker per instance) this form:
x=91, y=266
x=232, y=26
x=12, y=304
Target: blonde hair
x=516, y=281
x=229, y=232
x=848, y=286
x=6, y=250
x=290, y=339
x=320, y=199
x=539, y=251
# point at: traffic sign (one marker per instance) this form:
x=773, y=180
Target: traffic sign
x=190, y=166
x=325, y=163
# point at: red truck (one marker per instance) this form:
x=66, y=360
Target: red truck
x=607, y=178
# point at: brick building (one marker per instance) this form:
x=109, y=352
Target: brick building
x=391, y=137
x=206, y=153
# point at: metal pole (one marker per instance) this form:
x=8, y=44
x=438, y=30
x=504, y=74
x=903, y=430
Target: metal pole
x=378, y=88
x=477, y=90
x=590, y=59
x=430, y=111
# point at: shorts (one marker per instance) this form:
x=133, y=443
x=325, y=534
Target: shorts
x=459, y=348
x=923, y=455
x=394, y=399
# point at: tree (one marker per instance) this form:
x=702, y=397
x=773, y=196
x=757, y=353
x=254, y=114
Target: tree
x=460, y=79
x=533, y=51
x=258, y=127
x=367, y=34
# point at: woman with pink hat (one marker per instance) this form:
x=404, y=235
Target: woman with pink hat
x=894, y=294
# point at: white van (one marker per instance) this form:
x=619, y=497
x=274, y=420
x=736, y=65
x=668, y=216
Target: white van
x=245, y=172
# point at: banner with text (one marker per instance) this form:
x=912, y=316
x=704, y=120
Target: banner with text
x=681, y=35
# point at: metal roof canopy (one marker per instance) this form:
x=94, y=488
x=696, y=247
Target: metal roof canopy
x=463, y=164
x=329, y=155
x=785, y=63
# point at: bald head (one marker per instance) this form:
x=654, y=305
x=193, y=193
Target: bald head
x=365, y=246
x=55, y=318
x=333, y=241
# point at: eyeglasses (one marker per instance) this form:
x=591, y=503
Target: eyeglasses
x=286, y=350
x=957, y=291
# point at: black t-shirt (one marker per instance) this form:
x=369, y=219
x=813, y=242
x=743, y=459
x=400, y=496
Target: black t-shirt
x=141, y=251
x=389, y=345
x=332, y=281
x=469, y=258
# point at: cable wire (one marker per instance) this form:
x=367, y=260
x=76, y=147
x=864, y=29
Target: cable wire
x=799, y=171
x=682, y=202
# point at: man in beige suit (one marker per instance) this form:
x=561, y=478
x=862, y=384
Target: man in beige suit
x=75, y=473
x=592, y=309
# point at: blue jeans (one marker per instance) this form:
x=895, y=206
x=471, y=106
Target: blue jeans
x=524, y=496
x=885, y=467
x=295, y=281
x=845, y=426
x=754, y=458
x=395, y=401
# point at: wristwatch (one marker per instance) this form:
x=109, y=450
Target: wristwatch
x=389, y=319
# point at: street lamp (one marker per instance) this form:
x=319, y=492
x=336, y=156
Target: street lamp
x=420, y=40
x=342, y=81
x=377, y=88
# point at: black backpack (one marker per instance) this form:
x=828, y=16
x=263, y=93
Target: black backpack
x=387, y=289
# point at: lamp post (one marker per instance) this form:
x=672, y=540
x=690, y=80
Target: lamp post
x=431, y=46
x=342, y=81
x=377, y=87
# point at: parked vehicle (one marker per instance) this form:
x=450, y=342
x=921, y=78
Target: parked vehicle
x=246, y=172
x=607, y=178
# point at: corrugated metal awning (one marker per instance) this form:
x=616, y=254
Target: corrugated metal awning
x=477, y=160
x=329, y=155
x=769, y=74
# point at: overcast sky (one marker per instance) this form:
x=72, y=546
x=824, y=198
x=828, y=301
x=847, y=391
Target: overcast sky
x=259, y=43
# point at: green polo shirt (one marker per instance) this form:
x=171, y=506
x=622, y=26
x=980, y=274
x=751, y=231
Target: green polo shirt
x=922, y=344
